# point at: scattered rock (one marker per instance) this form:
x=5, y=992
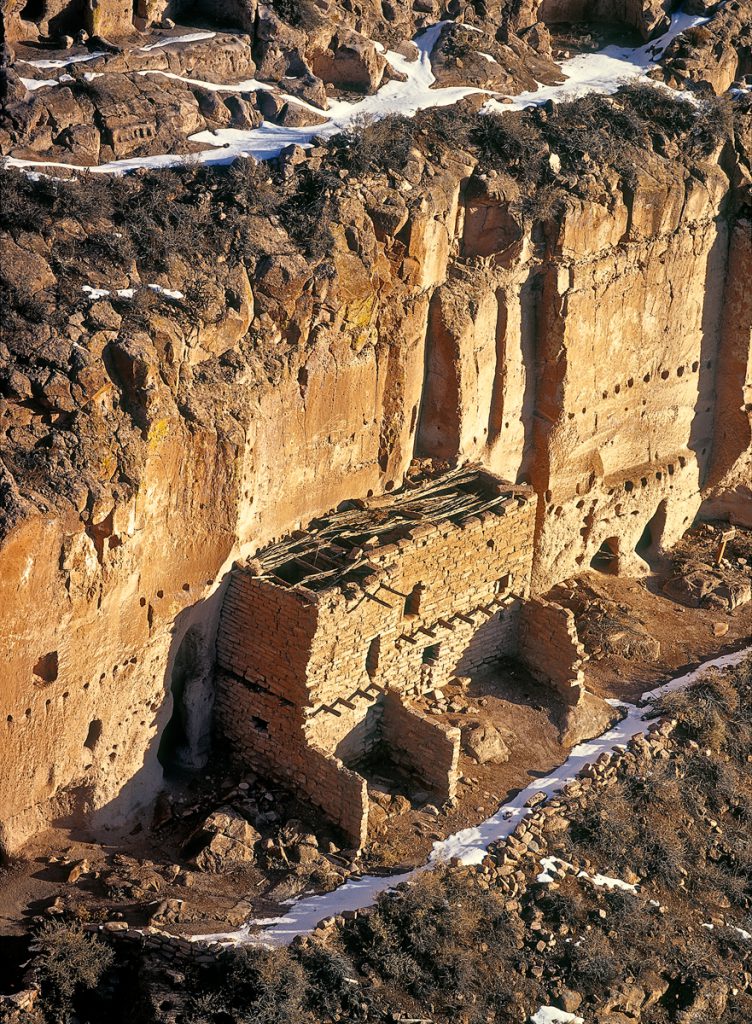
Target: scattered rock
x=485, y=743
x=226, y=840
x=80, y=868
x=590, y=717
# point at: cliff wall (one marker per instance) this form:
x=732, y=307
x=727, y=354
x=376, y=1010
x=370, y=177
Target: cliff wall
x=595, y=353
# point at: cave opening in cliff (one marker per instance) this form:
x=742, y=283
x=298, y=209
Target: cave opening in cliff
x=94, y=734
x=33, y=11
x=648, y=545
x=606, y=558
x=174, y=746
x=46, y=669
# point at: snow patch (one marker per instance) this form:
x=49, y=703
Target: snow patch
x=190, y=37
x=606, y=882
x=550, y=1015
x=248, y=85
x=603, y=72
x=127, y=293
x=32, y=84
x=63, y=62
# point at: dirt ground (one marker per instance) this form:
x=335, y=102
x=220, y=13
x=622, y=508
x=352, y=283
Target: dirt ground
x=144, y=876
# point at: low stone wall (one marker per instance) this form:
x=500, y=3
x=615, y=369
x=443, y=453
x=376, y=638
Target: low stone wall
x=550, y=648
x=340, y=793
x=274, y=745
x=422, y=745
x=506, y=865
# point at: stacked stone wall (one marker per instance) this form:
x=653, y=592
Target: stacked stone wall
x=423, y=745
x=309, y=680
x=265, y=635
x=551, y=649
x=267, y=736
x=471, y=579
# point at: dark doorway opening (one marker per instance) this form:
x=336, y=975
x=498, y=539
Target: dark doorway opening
x=431, y=654
x=606, y=558
x=94, y=734
x=373, y=655
x=648, y=546
x=412, y=601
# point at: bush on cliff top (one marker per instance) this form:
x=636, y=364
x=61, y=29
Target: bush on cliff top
x=195, y=213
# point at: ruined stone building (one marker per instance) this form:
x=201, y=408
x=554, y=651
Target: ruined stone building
x=601, y=355
x=325, y=639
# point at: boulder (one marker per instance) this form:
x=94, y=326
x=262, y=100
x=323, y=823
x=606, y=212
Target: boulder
x=227, y=840
x=81, y=867
x=305, y=852
x=242, y=113
x=589, y=717
x=113, y=17
x=485, y=743
x=538, y=37
x=278, y=49
x=310, y=89
x=351, y=62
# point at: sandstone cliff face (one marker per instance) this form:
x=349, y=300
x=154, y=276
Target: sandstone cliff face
x=600, y=351
x=587, y=364
x=591, y=368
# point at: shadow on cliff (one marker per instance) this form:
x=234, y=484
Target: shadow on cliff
x=181, y=744
x=701, y=429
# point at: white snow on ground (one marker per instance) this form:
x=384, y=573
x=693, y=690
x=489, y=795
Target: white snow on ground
x=32, y=84
x=550, y=1015
x=62, y=62
x=552, y=867
x=128, y=293
x=606, y=882
x=190, y=37
x=744, y=934
x=602, y=72
x=469, y=845
x=248, y=85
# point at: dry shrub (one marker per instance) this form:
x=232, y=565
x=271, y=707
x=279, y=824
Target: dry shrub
x=704, y=710
x=69, y=962
x=591, y=963
x=375, y=144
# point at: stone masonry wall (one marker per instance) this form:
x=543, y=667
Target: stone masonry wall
x=275, y=745
x=443, y=602
x=423, y=745
x=265, y=635
x=551, y=649
x=308, y=680
x=263, y=644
